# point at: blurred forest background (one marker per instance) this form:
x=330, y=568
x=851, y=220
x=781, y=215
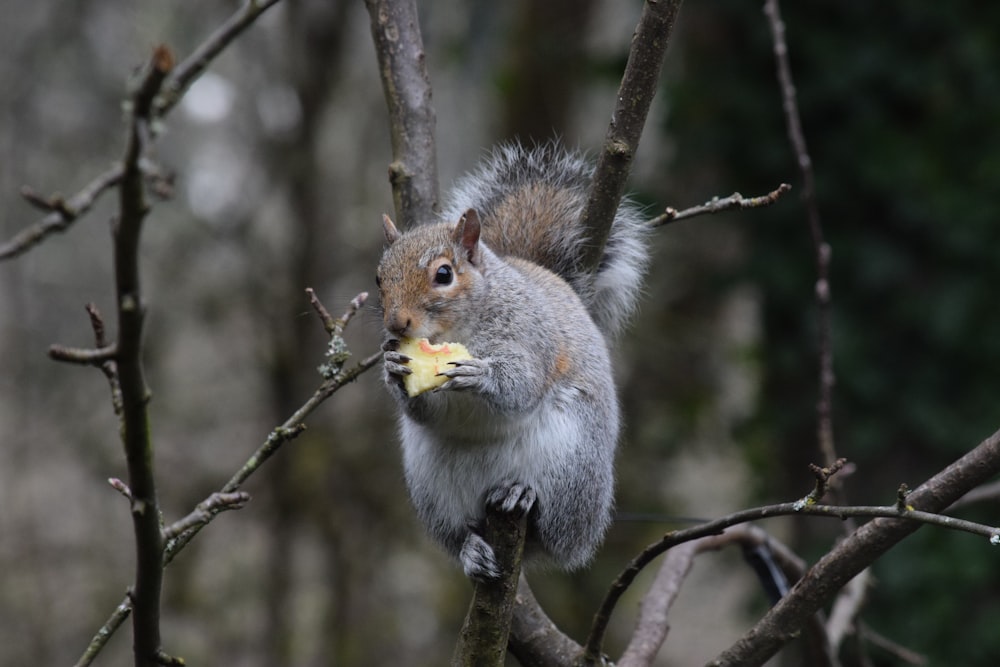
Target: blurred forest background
x=280, y=155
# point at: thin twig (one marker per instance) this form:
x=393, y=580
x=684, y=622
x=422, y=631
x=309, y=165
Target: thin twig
x=85, y=356
x=804, y=506
x=187, y=71
x=291, y=428
x=859, y=550
x=717, y=205
x=121, y=487
x=894, y=649
x=824, y=404
x=635, y=95
x=62, y=216
x=63, y=213
x=205, y=511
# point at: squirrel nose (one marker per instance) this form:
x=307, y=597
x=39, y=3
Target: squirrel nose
x=397, y=323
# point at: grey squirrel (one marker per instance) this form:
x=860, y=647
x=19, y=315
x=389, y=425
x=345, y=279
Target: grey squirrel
x=532, y=422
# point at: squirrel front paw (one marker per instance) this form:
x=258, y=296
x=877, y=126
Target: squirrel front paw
x=465, y=374
x=478, y=559
x=395, y=363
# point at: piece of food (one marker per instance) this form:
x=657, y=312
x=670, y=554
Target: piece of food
x=427, y=361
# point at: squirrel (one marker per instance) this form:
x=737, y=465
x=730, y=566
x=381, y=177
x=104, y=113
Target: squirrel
x=531, y=423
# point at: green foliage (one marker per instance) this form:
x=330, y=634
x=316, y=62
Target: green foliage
x=899, y=104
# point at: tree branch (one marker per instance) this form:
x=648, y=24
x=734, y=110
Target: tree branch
x=858, y=551
x=406, y=84
x=652, y=626
x=807, y=505
x=192, y=67
x=133, y=208
x=483, y=638
x=793, y=122
x=717, y=205
x=178, y=539
x=635, y=94
x=534, y=639
x=62, y=213
x=205, y=511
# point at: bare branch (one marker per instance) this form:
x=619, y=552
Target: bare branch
x=847, y=608
x=635, y=94
x=911, y=519
x=823, y=477
x=717, y=205
x=121, y=487
x=534, y=639
x=188, y=71
x=135, y=395
x=793, y=122
x=85, y=356
x=335, y=326
x=62, y=215
x=406, y=84
x=892, y=648
x=177, y=540
x=984, y=493
x=485, y=632
x=205, y=511
x=652, y=626
x=856, y=552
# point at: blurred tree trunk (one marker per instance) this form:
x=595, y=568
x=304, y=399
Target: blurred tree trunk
x=546, y=67
x=314, y=42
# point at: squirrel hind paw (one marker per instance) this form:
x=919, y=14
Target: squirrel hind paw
x=478, y=559
x=514, y=498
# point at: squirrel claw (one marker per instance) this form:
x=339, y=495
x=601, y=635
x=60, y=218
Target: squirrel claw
x=464, y=374
x=477, y=556
x=395, y=363
x=515, y=498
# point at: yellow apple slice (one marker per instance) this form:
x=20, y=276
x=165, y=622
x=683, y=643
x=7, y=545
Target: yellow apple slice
x=427, y=361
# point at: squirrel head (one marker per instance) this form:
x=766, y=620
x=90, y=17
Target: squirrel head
x=428, y=279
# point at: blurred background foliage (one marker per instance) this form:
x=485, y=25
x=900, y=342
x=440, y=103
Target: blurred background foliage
x=280, y=155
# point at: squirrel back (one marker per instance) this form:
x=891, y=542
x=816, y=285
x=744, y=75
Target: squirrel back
x=531, y=200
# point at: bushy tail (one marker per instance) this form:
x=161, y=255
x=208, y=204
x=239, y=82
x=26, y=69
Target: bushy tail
x=530, y=201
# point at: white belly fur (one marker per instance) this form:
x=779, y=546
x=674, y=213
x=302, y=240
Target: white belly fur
x=454, y=470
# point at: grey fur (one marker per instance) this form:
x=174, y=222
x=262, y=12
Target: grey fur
x=534, y=417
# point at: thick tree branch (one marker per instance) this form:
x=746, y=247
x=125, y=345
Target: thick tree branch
x=856, y=552
x=483, y=639
x=901, y=514
x=635, y=94
x=534, y=639
x=403, y=69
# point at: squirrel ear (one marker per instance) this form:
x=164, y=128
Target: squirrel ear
x=391, y=233
x=467, y=235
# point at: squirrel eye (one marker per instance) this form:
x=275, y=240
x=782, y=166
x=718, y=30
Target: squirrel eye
x=444, y=275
